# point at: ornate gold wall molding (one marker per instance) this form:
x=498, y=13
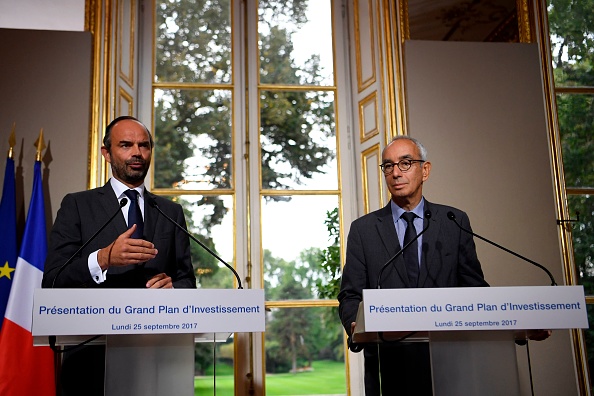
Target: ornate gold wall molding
x=364, y=44
x=372, y=182
x=126, y=38
x=368, y=113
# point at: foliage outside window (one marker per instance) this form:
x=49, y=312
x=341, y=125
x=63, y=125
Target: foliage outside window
x=572, y=39
x=571, y=25
x=199, y=163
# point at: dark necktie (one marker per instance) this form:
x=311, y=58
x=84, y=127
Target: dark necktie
x=411, y=254
x=134, y=214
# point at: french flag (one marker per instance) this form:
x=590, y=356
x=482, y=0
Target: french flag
x=25, y=369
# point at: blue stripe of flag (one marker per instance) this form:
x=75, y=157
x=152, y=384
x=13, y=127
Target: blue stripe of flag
x=8, y=237
x=34, y=245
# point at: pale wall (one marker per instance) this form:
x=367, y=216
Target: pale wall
x=479, y=109
x=45, y=80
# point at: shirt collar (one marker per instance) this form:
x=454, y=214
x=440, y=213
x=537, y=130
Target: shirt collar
x=397, y=211
x=119, y=188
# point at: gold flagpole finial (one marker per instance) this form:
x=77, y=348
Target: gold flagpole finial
x=11, y=141
x=40, y=144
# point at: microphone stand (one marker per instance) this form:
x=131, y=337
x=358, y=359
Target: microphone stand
x=52, y=339
x=123, y=203
x=156, y=206
x=401, y=251
x=452, y=217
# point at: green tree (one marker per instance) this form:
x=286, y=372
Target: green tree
x=328, y=284
x=193, y=126
x=296, y=336
x=571, y=24
x=194, y=46
x=288, y=328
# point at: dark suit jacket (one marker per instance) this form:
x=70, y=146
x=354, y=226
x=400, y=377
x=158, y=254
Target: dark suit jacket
x=83, y=213
x=448, y=259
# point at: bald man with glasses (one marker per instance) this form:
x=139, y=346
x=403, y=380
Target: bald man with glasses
x=443, y=256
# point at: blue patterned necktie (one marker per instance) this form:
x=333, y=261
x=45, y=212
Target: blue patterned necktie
x=134, y=214
x=411, y=254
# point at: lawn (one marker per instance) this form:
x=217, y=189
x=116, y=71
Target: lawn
x=326, y=378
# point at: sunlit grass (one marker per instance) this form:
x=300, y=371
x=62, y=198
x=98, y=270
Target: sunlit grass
x=326, y=378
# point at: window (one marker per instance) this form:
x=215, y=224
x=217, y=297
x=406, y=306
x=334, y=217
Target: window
x=572, y=50
x=246, y=140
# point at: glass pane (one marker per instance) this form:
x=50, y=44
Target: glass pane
x=304, y=352
x=210, y=221
x=193, y=41
x=294, y=239
x=572, y=42
x=576, y=123
x=213, y=368
x=298, y=140
x=193, y=144
x=583, y=239
x=295, y=42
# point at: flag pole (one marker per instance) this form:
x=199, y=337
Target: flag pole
x=11, y=141
x=40, y=144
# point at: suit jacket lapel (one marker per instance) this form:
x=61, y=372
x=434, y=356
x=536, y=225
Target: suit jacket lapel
x=110, y=204
x=387, y=233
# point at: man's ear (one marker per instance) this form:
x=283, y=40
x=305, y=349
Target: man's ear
x=105, y=154
x=426, y=170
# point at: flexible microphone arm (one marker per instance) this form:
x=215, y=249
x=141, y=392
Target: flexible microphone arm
x=156, y=206
x=452, y=217
x=123, y=203
x=401, y=251
x=52, y=338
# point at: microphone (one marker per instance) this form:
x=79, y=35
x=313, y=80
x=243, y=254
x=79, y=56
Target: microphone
x=154, y=204
x=401, y=251
x=452, y=217
x=123, y=203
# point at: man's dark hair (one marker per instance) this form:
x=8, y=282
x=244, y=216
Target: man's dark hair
x=107, y=137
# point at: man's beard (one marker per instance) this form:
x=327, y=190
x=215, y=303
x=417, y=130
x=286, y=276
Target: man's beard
x=128, y=175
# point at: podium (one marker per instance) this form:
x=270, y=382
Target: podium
x=471, y=331
x=149, y=334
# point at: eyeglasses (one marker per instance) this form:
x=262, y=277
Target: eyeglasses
x=403, y=165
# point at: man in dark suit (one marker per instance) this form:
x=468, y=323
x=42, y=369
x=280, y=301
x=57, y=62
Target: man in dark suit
x=120, y=255
x=445, y=257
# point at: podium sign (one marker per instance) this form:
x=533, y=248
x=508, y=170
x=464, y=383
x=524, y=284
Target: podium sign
x=475, y=308
x=147, y=311
x=150, y=333
x=470, y=330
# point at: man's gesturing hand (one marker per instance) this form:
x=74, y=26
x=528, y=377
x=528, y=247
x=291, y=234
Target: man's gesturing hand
x=126, y=251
